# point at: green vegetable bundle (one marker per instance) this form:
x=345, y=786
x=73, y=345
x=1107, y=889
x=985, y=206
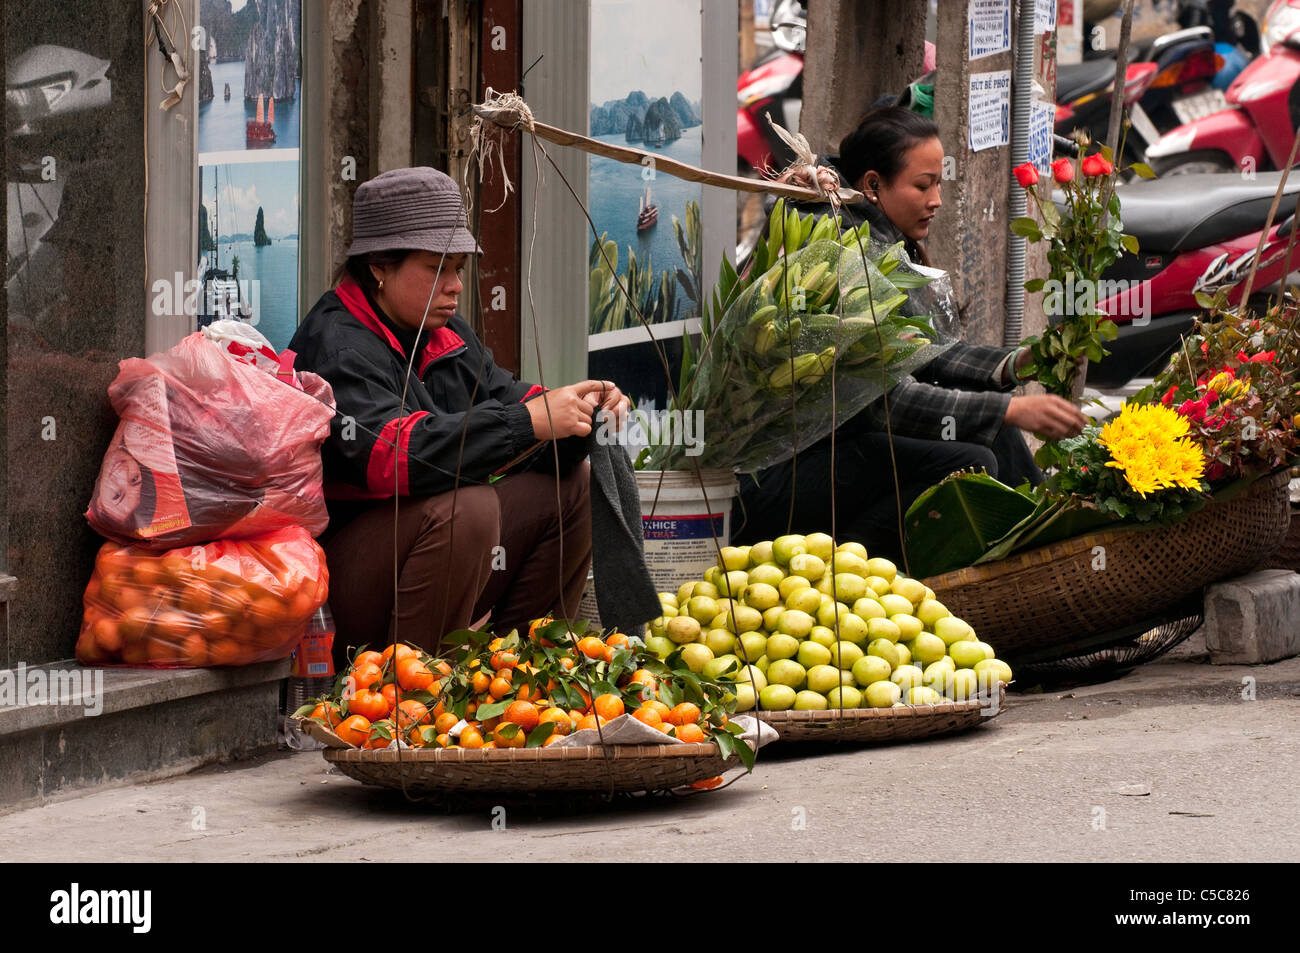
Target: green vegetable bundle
x=816, y=330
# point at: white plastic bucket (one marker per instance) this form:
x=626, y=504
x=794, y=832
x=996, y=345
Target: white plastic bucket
x=679, y=527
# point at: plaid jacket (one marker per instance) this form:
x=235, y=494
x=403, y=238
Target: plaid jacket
x=957, y=396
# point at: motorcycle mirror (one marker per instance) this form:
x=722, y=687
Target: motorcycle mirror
x=789, y=26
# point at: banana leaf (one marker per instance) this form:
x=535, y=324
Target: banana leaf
x=1053, y=520
x=954, y=523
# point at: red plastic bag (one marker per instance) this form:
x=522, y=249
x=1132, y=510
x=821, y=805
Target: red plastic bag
x=231, y=602
x=210, y=448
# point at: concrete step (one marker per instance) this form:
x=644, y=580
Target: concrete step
x=65, y=728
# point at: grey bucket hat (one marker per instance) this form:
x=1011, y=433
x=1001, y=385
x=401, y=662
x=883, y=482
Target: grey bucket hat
x=410, y=209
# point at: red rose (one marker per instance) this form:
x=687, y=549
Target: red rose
x=1096, y=164
x=1026, y=175
x=1211, y=396
x=1241, y=356
x=1169, y=395
x=1265, y=357
x=1063, y=170
x=1193, y=409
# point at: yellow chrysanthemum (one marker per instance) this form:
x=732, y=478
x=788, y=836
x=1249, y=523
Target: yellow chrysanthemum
x=1149, y=444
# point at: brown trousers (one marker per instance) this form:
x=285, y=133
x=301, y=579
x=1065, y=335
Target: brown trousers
x=458, y=556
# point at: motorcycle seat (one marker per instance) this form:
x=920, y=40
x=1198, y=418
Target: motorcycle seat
x=1079, y=79
x=1192, y=211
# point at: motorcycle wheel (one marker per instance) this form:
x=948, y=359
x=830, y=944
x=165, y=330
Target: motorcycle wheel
x=751, y=216
x=1188, y=163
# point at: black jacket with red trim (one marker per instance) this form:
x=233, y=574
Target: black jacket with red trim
x=455, y=390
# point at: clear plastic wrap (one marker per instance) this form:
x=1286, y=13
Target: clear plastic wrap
x=820, y=335
x=231, y=602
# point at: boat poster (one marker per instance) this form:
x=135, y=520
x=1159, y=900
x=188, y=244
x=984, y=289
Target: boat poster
x=249, y=133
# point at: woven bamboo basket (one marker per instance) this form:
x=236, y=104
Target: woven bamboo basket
x=1288, y=555
x=884, y=725
x=616, y=769
x=1052, y=602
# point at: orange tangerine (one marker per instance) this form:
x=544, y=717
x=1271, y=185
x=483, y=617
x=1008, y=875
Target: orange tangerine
x=691, y=733
x=524, y=714
x=687, y=713
x=509, y=735
x=563, y=723
x=649, y=716
x=368, y=658
x=608, y=706
x=354, y=729
x=591, y=647
x=502, y=660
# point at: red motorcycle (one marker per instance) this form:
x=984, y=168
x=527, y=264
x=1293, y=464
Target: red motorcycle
x=1197, y=233
x=1256, y=131
x=772, y=87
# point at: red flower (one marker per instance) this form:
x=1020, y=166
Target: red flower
x=1205, y=347
x=1242, y=357
x=1063, y=170
x=1026, y=175
x=1211, y=395
x=1096, y=164
x=1194, y=409
x=1265, y=357
x=1169, y=395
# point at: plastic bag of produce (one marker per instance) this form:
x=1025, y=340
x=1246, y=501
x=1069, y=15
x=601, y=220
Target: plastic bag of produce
x=230, y=602
x=763, y=380
x=209, y=448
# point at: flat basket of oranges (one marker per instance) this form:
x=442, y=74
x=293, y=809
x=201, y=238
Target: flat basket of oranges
x=555, y=710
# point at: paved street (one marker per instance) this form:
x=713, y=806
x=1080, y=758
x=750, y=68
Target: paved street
x=1166, y=764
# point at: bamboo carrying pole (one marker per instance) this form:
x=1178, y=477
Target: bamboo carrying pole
x=511, y=117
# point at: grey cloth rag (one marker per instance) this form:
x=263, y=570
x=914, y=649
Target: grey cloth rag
x=625, y=594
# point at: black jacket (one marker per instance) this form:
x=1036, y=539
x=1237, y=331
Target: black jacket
x=455, y=393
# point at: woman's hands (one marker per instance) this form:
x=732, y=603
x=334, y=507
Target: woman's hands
x=1046, y=415
x=571, y=408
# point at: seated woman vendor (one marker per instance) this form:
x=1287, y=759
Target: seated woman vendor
x=421, y=539
x=955, y=413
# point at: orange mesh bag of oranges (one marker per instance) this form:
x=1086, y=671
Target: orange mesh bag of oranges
x=525, y=691
x=230, y=602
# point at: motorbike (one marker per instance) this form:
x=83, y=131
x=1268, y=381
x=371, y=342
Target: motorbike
x=772, y=87
x=1255, y=131
x=1196, y=233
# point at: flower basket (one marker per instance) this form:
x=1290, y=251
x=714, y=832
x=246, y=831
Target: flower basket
x=1058, y=601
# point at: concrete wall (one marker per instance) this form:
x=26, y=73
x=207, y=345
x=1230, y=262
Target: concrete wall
x=857, y=53
x=75, y=307
x=969, y=237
